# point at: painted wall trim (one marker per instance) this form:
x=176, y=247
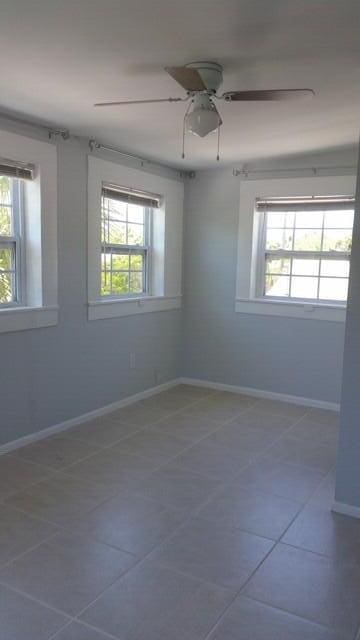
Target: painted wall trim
x=21, y=318
x=346, y=509
x=96, y=413
x=262, y=393
x=305, y=310
x=102, y=309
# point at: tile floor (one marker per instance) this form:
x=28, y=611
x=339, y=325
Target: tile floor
x=192, y=515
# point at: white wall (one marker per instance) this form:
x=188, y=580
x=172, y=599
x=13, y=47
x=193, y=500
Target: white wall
x=348, y=463
x=61, y=372
x=292, y=356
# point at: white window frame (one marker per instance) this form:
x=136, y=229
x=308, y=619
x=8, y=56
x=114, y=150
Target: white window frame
x=247, y=299
x=16, y=242
x=166, y=252
x=38, y=304
x=292, y=253
x=144, y=250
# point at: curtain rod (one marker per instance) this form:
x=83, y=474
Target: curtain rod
x=94, y=145
x=315, y=170
x=52, y=131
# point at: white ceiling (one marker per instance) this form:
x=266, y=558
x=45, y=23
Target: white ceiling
x=61, y=56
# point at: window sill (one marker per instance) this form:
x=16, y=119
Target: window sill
x=305, y=310
x=22, y=318
x=103, y=309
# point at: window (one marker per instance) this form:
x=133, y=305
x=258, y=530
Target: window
x=126, y=219
x=305, y=246
x=134, y=240
x=12, y=259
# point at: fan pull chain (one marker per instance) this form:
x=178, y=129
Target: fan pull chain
x=184, y=128
x=218, y=143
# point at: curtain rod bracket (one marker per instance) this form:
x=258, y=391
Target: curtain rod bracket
x=62, y=133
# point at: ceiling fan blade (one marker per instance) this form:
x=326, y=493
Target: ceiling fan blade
x=189, y=78
x=116, y=104
x=269, y=94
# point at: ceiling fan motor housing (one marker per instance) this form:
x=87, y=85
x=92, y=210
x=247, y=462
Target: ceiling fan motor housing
x=211, y=74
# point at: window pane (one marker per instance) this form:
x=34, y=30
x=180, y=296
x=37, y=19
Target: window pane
x=304, y=287
x=305, y=267
x=5, y=190
x=106, y=261
x=114, y=209
x=339, y=219
x=120, y=262
x=336, y=268
x=277, y=286
x=309, y=219
x=135, y=234
x=6, y=288
x=119, y=283
x=307, y=240
x=280, y=220
x=136, y=282
x=105, y=283
x=5, y=221
x=115, y=233
x=333, y=289
x=136, y=213
x=337, y=240
x=6, y=260
x=136, y=262
x=279, y=239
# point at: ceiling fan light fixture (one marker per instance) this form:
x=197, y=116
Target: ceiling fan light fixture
x=204, y=117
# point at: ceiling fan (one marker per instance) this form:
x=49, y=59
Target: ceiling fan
x=201, y=81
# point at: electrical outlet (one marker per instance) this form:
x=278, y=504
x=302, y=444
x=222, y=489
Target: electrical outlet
x=132, y=360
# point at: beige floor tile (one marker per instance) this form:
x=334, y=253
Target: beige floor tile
x=187, y=426
x=56, y=452
x=16, y=474
x=79, y=631
x=311, y=586
x=140, y=416
x=60, y=498
x=213, y=460
x=282, y=408
x=249, y=510
x=324, y=495
x=219, y=410
x=102, y=432
x=324, y=416
x=155, y=603
x=68, y=572
x=157, y=447
x=19, y=532
x=212, y=552
x=177, y=488
x=279, y=478
x=251, y=430
x=322, y=531
x=24, y=619
x=130, y=522
x=318, y=432
x=113, y=469
x=250, y=620
x=307, y=453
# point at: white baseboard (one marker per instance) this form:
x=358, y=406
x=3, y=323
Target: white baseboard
x=72, y=422
x=96, y=413
x=261, y=393
x=346, y=509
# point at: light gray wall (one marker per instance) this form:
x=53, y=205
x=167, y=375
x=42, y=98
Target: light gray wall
x=348, y=463
x=284, y=355
x=50, y=375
